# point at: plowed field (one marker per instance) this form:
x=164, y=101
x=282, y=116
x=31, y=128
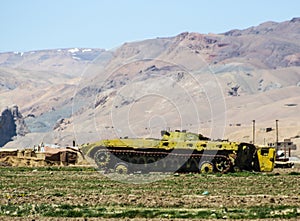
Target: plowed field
x=75, y=193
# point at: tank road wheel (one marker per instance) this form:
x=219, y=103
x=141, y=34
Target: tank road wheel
x=142, y=160
x=122, y=168
x=150, y=160
x=142, y=164
x=102, y=158
x=206, y=167
x=149, y=165
x=236, y=169
x=222, y=165
x=194, y=167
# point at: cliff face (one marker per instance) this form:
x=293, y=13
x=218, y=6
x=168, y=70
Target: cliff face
x=11, y=124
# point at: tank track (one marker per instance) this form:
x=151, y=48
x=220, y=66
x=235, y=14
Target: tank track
x=159, y=161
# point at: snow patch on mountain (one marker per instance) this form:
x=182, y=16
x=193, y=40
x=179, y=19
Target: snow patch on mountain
x=73, y=50
x=86, y=50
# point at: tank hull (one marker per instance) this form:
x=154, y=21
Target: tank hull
x=178, y=151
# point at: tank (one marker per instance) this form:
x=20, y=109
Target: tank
x=178, y=151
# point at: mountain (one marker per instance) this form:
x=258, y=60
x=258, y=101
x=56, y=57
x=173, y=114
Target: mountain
x=215, y=84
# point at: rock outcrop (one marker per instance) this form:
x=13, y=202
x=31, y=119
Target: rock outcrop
x=11, y=124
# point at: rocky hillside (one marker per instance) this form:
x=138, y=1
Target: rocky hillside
x=212, y=83
x=12, y=124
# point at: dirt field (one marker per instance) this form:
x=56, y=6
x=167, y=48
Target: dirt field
x=77, y=193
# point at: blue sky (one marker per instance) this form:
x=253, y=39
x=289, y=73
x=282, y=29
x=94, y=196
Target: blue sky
x=47, y=24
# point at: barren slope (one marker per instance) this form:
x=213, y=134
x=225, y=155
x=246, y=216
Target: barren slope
x=206, y=83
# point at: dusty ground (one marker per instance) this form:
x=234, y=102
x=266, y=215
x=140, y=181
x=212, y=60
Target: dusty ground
x=73, y=193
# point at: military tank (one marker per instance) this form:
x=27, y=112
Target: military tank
x=178, y=151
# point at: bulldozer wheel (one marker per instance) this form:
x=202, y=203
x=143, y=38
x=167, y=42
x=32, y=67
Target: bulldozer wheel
x=206, y=167
x=102, y=158
x=121, y=168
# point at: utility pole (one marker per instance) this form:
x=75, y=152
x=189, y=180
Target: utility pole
x=253, y=131
x=276, y=145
